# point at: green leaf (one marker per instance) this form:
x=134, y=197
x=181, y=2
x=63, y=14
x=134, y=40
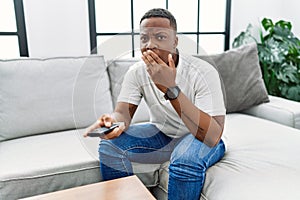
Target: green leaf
x=244, y=37
x=282, y=77
x=273, y=84
x=293, y=93
x=280, y=33
x=288, y=74
x=284, y=24
x=267, y=24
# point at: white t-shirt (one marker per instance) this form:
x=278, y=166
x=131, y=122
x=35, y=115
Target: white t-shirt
x=196, y=78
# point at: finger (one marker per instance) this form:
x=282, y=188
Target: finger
x=148, y=65
x=106, y=120
x=122, y=127
x=115, y=133
x=109, y=135
x=101, y=120
x=145, y=58
x=91, y=128
x=156, y=58
x=85, y=134
x=171, y=61
x=151, y=60
x=146, y=61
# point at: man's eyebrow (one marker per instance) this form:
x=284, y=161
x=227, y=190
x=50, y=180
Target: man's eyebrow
x=155, y=33
x=160, y=32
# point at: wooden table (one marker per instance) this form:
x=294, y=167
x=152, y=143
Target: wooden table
x=128, y=188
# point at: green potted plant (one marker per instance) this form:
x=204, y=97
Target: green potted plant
x=279, y=56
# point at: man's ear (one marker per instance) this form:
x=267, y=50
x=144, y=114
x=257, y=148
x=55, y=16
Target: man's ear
x=175, y=42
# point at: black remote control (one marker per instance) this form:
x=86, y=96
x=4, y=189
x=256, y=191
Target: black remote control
x=102, y=131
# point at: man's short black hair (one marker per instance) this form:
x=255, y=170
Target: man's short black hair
x=160, y=12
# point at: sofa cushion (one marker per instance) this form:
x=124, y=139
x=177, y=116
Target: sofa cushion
x=117, y=68
x=260, y=162
x=241, y=76
x=55, y=161
x=45, y=163
x=280, y=110
x=46, y=95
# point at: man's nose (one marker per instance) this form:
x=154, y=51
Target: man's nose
x=151, y=45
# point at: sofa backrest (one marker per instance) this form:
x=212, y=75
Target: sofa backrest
x=45, y=95
x=116, y=71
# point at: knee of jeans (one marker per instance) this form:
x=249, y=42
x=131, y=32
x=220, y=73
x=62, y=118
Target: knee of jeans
x=186, y=171
x=182, y=160
x=185, y=167
x=106, y=147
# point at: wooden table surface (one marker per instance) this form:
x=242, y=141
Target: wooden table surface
x=127, y=188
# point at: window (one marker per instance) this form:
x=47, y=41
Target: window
x=203, y=25
x=13, y=41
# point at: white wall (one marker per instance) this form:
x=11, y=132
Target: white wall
x=60, y=27
x=57, y=27
x=244, y=12
x=290, y=11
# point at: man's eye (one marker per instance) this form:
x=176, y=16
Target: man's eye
x=161, y=37
x=144, y=39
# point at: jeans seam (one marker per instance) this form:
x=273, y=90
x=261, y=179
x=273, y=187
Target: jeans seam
x=142, y=147
x=208, y=160
x=123, y=153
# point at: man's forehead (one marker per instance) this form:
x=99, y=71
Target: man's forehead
x=155, y=29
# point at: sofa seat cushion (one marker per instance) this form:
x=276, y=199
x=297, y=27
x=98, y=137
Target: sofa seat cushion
x=261, y=162
x=49, y=162
x=46, y=163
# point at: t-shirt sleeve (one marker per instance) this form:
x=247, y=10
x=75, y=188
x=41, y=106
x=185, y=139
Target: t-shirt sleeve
x=209, y=96
x=130, y=90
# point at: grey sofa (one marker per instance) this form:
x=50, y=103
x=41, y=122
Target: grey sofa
x=45, y=104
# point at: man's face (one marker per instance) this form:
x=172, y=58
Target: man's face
x=157, y=35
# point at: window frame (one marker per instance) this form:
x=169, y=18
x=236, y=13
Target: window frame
x=21, y=28
x=94, y=33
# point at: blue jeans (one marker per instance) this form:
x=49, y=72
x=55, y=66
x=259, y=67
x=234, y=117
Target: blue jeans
x=144, y=143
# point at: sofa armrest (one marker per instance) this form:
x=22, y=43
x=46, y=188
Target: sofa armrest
x=279, y=110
